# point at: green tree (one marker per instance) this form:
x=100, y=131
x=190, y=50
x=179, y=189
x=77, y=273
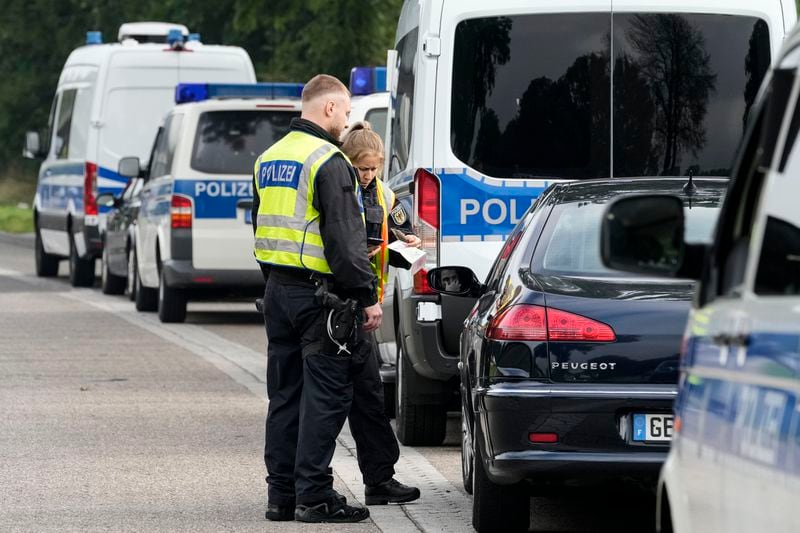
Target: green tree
x=286, y=39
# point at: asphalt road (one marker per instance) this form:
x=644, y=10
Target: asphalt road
x=111, y=421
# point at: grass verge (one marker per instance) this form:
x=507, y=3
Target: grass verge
x=15, y=219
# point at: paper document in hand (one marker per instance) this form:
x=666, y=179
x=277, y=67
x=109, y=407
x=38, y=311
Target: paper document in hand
x=413, y=257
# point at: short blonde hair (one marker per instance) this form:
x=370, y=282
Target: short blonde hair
x=322, y=84
x=362, y=141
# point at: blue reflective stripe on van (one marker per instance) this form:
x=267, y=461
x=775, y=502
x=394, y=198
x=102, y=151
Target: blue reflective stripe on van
x=476, y=207
x=745, y=404
x=103, y=172
x=215, y=198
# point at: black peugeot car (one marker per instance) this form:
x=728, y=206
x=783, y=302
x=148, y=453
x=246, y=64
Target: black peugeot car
x=569, y=369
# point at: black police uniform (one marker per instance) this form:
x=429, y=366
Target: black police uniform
x=376, y=444
x=310, y=387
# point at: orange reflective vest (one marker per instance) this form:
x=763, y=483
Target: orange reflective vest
x=380, y=261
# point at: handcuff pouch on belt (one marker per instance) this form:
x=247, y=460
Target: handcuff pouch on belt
x=341, y=317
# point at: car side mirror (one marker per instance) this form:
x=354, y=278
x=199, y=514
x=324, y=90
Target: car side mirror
x=107, y=199
x=129, y=167
x=455, y=281
x=644, y=235
x=33, y=145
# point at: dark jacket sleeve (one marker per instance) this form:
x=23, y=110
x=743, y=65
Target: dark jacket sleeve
x=342, y=230
x=256, y=203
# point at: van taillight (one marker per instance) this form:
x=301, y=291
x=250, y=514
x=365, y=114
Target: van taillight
x=90, y=189
x=537, y=323
x=180, y=211
x=426, y=219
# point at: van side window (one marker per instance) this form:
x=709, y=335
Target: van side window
x=738, y=215
x=778, y=270
x=401, y=122
x=48, y=135
x=64, y=123
x=164, y=151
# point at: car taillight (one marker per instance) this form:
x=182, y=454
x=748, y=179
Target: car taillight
x=426, y=224
x=180, y=211
x=537, y=323
x=90, y=189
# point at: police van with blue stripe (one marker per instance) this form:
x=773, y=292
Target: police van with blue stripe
x=494, y=101
x=193, y=234
x=734, y=463
x=108, y=103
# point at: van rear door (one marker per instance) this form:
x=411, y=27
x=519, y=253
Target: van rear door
x=226, y=144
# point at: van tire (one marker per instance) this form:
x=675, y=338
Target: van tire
x=146, y=299
x=130, y=288
x=46, y=264
x=171, y=302
x=81, y=271
x=110, y=283
x=496, y=508
x=417, y=424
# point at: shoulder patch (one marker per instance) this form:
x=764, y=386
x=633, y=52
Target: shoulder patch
x=399, y=215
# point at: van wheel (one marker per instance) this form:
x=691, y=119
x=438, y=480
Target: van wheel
x=110, y=283
x=130, y=288
x=171, y=302
x=81, y=271
x=46, y=264
x=417, y=424
x=496, y=508
x=146, y=299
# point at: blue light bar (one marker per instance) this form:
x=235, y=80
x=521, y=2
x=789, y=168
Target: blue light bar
x=194, y=37
x=197, y=92
x=174, y=36
x=367, y=80
x=94, y=37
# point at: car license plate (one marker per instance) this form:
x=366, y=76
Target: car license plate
x=652, y=428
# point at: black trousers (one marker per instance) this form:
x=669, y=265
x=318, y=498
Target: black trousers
x=311, y=390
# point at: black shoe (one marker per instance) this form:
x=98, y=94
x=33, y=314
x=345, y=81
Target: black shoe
x=335, y=510
x=279, y=513
x=391, y=491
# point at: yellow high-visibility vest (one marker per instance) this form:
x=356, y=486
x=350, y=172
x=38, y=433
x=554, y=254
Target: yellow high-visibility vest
x=380, y=261
x=287, y=229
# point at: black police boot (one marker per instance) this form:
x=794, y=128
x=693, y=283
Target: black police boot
x=334, y=510
x=279, y=513
x=391, y=491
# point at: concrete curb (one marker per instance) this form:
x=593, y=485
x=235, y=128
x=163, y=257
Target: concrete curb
x=20, y=239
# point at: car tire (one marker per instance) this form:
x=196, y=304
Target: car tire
x=130, y=288
x=496, y=508
x=46, y=264
x=110, y=283
x=81, y=271
x=467, y=452
x=146, y=299
x=417, y=424
x=171, y=302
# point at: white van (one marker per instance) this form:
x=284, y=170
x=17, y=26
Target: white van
x=193, y=236
x=108, y=104
x=493, y=101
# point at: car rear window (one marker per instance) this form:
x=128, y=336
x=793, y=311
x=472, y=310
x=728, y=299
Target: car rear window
x=228, y=142
x=570, y=243
x=675, y=97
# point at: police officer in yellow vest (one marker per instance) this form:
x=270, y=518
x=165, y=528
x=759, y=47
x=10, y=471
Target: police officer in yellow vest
x=309, y=227
x=375, y=440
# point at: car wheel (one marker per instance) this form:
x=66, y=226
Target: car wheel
x=110, y=283
x=46, y=264
x=81, y=271
x=146, y=299
x=171, y=302
x=130, y=288
x=417, y=424
x=467, y=453
x=496, y=508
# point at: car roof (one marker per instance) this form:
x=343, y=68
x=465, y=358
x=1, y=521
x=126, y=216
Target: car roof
x=600, y=190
